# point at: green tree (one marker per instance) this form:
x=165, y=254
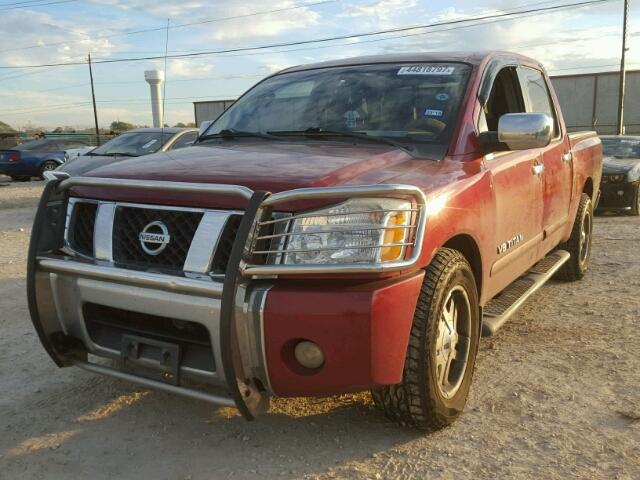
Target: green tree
x=5, y=128
x=119, y=126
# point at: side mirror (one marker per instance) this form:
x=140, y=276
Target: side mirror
x=204, y=126
x=519, y=131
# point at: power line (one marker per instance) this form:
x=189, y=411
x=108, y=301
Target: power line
x=39, y=5
x=179, y=25
x=329, y=39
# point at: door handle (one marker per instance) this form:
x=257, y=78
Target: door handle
x=538, y=168
x=566, y=157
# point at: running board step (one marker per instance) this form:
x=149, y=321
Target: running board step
x=501, y=307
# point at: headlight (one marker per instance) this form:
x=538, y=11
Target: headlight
x=616, y=178
x=362, y=230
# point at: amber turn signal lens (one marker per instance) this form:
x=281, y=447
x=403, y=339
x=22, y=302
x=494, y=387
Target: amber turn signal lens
x=394, y=236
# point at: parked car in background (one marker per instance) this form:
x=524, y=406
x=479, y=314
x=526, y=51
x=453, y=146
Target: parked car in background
x=134, y=143
x=32, y=159
x=621, y=174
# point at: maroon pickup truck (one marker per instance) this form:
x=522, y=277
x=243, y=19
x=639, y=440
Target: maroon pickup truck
x=344, y=226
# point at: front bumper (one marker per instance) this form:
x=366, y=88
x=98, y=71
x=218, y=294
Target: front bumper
x=229, y=341
x=617, y=196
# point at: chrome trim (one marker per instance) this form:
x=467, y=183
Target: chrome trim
x=220, y=189
x=522, y=131
x=147, y=382
x=347, y=191
x=537, y=169
x=331, y=249
x=134, y=277
x=566, y=157
x=365, y=229
x=337, y=214
x=205, y=241
x=103, y=231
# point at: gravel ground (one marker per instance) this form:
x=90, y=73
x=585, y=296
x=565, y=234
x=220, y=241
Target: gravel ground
x=556, y=395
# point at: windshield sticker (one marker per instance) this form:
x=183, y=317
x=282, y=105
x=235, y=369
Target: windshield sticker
x=426, y=70
x=351, y=118
x=442, y=97
x=432, y=112
x=149, y=143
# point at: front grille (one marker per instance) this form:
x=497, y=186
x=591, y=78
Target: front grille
x=82, y=222
x=129, y=222
x=106, y=326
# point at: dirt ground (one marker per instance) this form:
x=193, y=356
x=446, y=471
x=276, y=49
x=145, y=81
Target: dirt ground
x=556, y=395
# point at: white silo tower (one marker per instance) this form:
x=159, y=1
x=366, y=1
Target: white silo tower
x=155, y=78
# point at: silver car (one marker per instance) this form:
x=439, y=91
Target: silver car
x=134, y=143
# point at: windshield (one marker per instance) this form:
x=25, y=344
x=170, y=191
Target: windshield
x=416, y=103
x=621, y=147
x=133, y=144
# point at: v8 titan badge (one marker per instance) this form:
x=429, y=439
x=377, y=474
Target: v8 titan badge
x=154, y=238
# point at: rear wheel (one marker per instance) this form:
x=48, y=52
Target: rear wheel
x=48, y=166
x=579, y=244
x=635, y=207
x=442, y=348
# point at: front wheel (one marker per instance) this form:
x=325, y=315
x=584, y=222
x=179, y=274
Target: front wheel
x=579, y=243
x=442, y=348
x=635, y=207
x=47, y=166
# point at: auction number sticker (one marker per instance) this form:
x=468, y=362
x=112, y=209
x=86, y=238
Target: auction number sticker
x=427, y=70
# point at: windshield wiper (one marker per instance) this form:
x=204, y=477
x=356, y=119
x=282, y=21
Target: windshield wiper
x=233, y=133
x=315, y=132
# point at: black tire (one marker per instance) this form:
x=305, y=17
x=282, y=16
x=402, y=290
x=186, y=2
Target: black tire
x=579, y=244
x=48, y=166
x=20, y=179
x=635, y=207
x=419, y=401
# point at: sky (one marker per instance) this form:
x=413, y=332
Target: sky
x=35, y=32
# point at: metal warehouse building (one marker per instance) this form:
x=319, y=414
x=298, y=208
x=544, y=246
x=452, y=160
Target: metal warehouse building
x=589, y=101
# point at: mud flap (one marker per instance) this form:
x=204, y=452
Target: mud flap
x=47, y=236
x=249, y=400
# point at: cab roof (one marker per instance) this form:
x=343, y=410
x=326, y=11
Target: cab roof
x=472, y=58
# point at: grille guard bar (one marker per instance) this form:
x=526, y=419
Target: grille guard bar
x=248, y=398
x=270, y=201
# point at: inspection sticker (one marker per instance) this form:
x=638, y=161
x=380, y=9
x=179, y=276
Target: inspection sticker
x=427, y=70
x=432, y=112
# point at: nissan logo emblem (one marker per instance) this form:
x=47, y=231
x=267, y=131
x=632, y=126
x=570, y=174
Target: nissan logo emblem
x=154, y=238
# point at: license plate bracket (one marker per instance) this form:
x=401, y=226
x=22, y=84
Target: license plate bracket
x=160, y=360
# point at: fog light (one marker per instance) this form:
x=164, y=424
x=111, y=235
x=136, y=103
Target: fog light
x=621, y=193
x=308, y=354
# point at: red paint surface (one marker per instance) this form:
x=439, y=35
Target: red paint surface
x=363, y=330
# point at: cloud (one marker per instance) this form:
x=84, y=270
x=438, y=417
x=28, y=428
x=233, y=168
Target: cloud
x=382, y=10
x=184, y=68
x=64, y=41
x=252, y=24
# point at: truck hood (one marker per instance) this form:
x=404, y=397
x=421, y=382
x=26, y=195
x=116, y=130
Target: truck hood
x=270, y=166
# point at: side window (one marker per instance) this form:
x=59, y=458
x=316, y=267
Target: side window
x=185, y=140
x=537, y=94
x=505, y=97
x=53, y=146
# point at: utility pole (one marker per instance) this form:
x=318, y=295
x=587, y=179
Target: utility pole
x=623, y=73
x=93, y=98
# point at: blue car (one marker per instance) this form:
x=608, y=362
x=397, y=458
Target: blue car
x=32, y=159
